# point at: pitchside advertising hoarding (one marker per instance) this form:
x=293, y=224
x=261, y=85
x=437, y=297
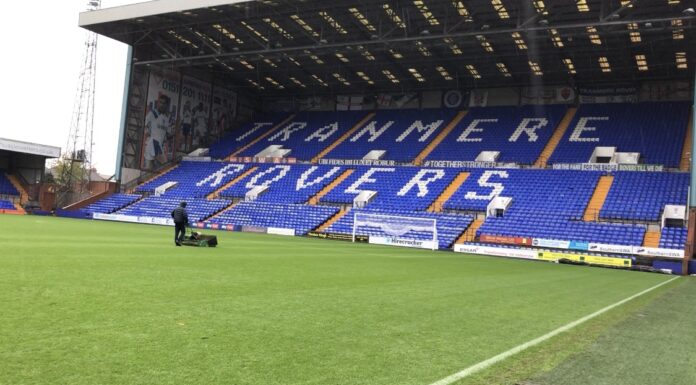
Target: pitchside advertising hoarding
x=542, y=255
x=403, y=242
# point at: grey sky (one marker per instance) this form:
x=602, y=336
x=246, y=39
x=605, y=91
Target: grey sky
x=43, y=51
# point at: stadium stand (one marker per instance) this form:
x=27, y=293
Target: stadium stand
x=111, y=203
x=301, y=218
x=161, y=207
x=308, y=133
x=635, y=127
x=6, y=205
x=673, y=237
x=245, y=134
x=286, y=183
x=518, y=133
x=195, y=179
x=643, y=195
x=401, y=133
x=6, y=187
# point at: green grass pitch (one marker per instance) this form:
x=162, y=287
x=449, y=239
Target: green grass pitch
x=89, y=302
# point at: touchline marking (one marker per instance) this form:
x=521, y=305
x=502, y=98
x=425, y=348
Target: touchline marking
x=495, y=359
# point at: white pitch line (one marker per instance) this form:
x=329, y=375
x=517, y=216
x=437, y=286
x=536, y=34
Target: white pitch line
x=495, y=359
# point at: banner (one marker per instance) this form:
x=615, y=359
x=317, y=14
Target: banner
x=453, y=99
x=357, y=162
x=506, y=239
x=658, y=252
x=224, y=111
x=478, y=98
x=338, y=236
x=194, y=113
x=589, y=259
x=459, y=164
x=160, y=118
x=403, y=242
x=496, y=251
x=281, y=231
x=627, y=94
x=608, y=167
x=552, y=243
x=607, y=248
x=134, y=219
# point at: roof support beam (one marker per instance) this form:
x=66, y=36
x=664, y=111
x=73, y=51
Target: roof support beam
x=384, y=40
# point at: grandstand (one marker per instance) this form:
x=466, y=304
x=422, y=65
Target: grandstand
x=551, y=131
x=582, y=147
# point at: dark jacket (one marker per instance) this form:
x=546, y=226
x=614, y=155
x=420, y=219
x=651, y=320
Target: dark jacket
x=180, y=215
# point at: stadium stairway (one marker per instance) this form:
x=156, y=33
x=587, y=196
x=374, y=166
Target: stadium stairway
x=439, y=138
x=343, y=137
x=436, y=206
x=556, y=138
x=216, y=194
x=469, y=235
x=333, y=219
x=684, y=164
x=598, y=198
x=652, y=238
x=218, y=213
x=315, y=199
x=23, y=196
x=263, y=135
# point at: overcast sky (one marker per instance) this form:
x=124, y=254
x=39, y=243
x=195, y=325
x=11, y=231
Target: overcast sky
x=43, y=48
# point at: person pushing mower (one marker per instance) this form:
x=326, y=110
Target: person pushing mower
x=181, y=220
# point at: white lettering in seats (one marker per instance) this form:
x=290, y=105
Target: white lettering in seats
x=288, y=130
x=371, y=128
x=464, y=137
x=366, y=178
x=420, y=127
x=302, y=182
x=583, y=127
x=483, y=182
x=421, y=182
x=323, y=133
x=528, y=129
x=220, y=174
x=283, y=170
x=257, y=126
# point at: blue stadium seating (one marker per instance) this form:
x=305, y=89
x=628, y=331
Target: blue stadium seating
x=308, y=133
x=501, y=129
x=656, y=130
x=391, y=184
x=161, y=207
x=286, y=183
x=643, y=195
x=673, y=237
x=302, y=218
x=6, y=205
x=196, y=179
x=111, y=203
x=6, y=187
x=398, y=132
x=243, y=135
x=449, y=226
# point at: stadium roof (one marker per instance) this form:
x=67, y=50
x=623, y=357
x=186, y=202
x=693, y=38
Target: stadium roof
x=277, y=47
x=29, y=148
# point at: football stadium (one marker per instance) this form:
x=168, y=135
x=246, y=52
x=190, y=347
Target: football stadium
x=413, y=192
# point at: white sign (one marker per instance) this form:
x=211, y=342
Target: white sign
x=496, y=251
x=606, y=248
x=281, y=231
x=29, y=148
x=404, y=242
x=134, y=219
x=658, y=252
x=553, y=243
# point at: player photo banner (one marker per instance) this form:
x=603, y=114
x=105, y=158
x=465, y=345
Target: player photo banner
x=160, y=118
x=224, y=110
x=194, y=114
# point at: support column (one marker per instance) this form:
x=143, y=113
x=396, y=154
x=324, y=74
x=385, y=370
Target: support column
x=691, y=234
x=124, y=111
